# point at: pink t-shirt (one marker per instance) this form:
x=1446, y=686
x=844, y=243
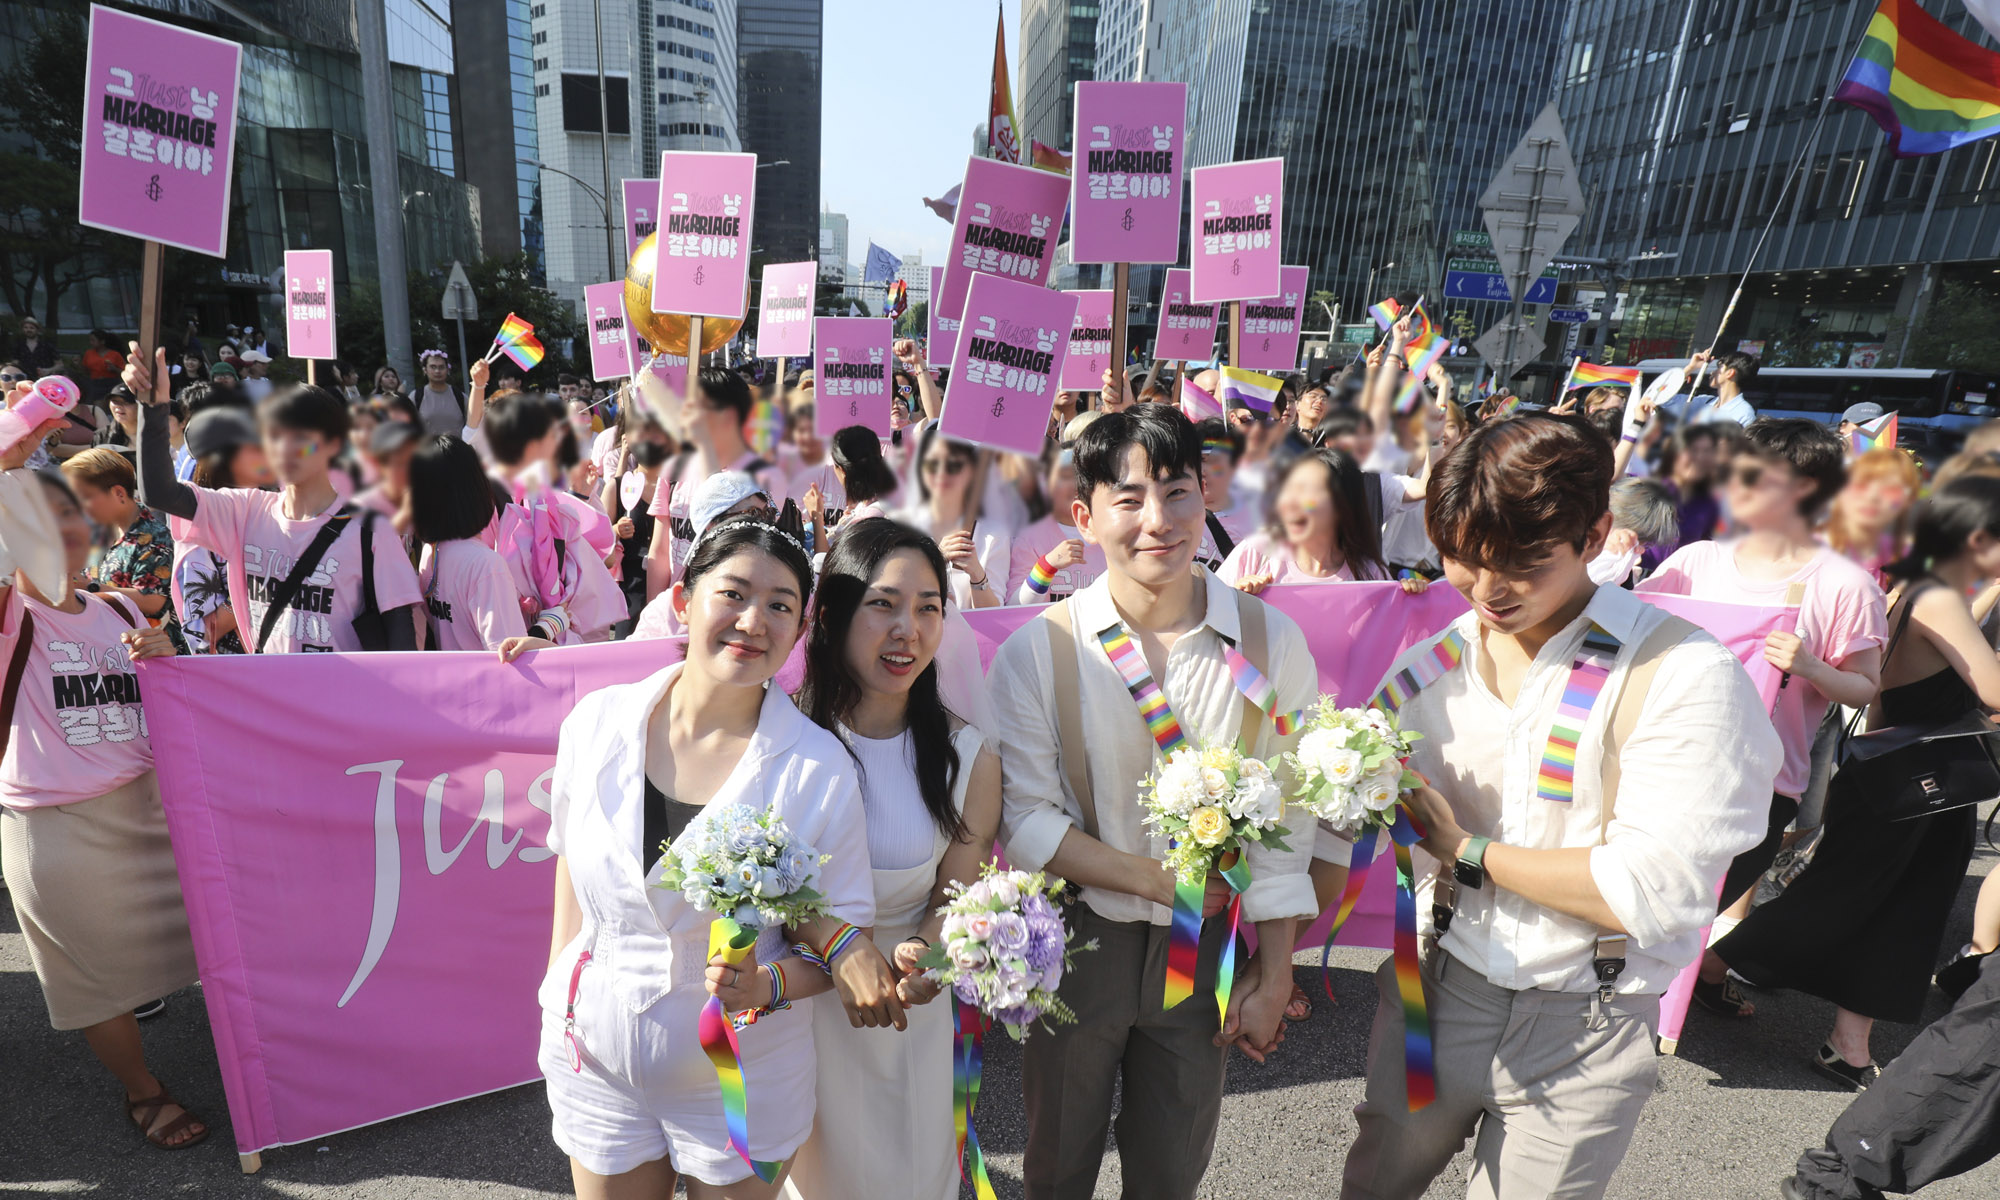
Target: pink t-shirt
x=78, y=729
x=469, y=594
x=247, y=529
x=1239, y=521
x=1030, y=545
x=674, y=507
x=1262, y=554
x=1840, y=615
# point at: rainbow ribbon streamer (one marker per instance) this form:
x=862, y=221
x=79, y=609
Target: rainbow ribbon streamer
x=1184, y=940
x=718, y=1041
x=1237, y=873
x=1153, y=709
x=1357, y=875
x=1588, y=673
x=1041, y=576
x=968, y=1031
x=1260, y=691
x=1419, y=1070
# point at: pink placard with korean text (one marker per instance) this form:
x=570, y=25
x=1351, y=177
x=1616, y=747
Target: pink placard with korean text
x=1187, y=329
x=853, y=366
x=610, y=346
x=1125, y=182
x=159, y=131
x=309, y=304
x=785, y=309
x=943, y=339
x=641, y=217
x=1271, y=326
x=1008, y=219
x=1010, y=355
x=1089, y=342
x=1234, y=241
x=701, y=261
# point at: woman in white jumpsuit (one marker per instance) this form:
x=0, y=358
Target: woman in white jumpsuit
x=635, y=1099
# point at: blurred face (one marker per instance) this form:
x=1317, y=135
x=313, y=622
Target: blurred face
x=1218, y=471
x=742, y=618
x=1062, y=492
x=1985, y=551
x=1598, y=404
x=710, y=420
x=1305, y=506
x=396, y=471
x=73, y=525
x=255, y=370
x=1532, y=595
x=1312, y=408
x=365, y=419
x=579, y=413
x=437, y=370
x=104, y=506
x=297, y=455
x=1149, y=528
x=1762, y=493
x=191, y=363
x=1360, y=444
x=226, y=352
x=31, y=329
x=894, y=634
x=1698, y=464
x=1875, y=504
x=947, y=469
x=806, y=439
x=251, y=468
x=388, y=380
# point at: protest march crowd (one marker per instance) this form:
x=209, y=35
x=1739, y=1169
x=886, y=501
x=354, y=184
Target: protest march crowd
x=1571, y=852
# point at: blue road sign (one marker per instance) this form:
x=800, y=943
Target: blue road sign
x=1469, y=285
x=1570, y=316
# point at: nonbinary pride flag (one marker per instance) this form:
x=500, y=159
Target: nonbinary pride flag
x=1927, y=87
x=1250, y=388
x=1878, y=434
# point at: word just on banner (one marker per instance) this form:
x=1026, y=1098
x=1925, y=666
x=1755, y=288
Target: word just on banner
x=143, y=120
x=992, y=247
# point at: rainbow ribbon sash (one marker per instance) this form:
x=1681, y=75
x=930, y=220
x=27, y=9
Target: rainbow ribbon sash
x=1259, y=691
x=1236, y=871
x=1153, y=709
x=968, y=1030
x=718, y=1041
x=1587, y=675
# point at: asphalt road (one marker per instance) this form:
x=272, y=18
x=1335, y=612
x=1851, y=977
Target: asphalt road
x=1732, y=1112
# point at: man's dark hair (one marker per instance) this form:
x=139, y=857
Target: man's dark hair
x=1169, y=440
x=177, y=408
x=515, y=421
x=567, y=380
x=305, y=408
x=1744, y=364
x=1608, y=421
x=1215, y=429
x=450, y=497
x=1512, y=491
x=725, y=389
x=1340, y=423
x=199, y=397
x=1812, y=450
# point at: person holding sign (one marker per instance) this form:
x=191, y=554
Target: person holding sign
x=1156, y=631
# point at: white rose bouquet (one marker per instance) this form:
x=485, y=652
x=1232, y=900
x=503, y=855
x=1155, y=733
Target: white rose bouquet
x=1213, y=801
x=1351, y=766
x=1005, y=948
x=744, y=865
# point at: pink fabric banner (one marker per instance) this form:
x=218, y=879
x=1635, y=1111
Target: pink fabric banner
x=1236, y=238
x=309, y=304
x=158, y=149
x=641, y=215
x=942, y=342
x=785, y=310
x=852, y=366
x=1089, y=342
x=1271, y=326
x=1187, y=329
x=1007, y=222
x=610, y=341
x=1002, y=385
x=701, y=261
x=1125, y=185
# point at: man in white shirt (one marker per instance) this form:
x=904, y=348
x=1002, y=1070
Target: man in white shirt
x=1558, y=913
x=1733, y=372
x=1078, y=817
x=256, y=381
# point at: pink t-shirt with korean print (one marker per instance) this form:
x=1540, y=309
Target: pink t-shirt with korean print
x=78, y=729
x=469, y=596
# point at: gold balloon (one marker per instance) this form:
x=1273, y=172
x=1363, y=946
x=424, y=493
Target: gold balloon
x=666, y=333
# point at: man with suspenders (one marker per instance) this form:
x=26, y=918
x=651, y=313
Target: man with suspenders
x=1594, y=765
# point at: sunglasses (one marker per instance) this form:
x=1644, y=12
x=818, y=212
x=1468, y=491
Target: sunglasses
x=951, y=466
x=1747, y=475
x=13, y=378
x=904, y=390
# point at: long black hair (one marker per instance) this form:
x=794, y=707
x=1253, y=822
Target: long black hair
x=830, y=692
x=1965, y=506
x=1355, y=534
x=450, y=495
x=857, y=451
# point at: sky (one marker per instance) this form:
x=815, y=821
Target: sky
x=906, y=83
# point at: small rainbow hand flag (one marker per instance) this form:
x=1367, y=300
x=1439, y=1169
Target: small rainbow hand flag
x=1590, y=374
x=1423, y=355
x=1386, y=313
x=517, y=341
x=1878, y=434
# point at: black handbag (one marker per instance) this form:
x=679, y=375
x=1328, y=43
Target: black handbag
x=1917, y=769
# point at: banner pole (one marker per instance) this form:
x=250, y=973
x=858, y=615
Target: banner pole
x=1121, y=288
x=1235, y=333
x=694, y=358
x=152, y=266
x=312, y=375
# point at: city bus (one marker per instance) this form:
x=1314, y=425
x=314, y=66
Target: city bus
x=1935, y=408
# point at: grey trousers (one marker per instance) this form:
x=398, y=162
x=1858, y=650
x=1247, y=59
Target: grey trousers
x=1552, y=1095
x=1170, y=1065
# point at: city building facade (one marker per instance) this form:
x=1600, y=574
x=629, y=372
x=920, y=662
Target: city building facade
x=1058, y=50
x=778, y=86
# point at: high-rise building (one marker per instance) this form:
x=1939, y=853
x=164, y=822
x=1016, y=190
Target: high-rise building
x=694, y=69
x=833, y=266
x=493, y=44
x=778, y=111
x=1058, y=49
x=1687, y=122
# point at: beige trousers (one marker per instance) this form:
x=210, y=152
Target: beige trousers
x=1552, y=1090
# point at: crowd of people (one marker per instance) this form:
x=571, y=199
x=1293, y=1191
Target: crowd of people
x=197, y=507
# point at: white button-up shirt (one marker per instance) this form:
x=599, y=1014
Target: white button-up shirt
x=1038, y=808
x=1694, y=792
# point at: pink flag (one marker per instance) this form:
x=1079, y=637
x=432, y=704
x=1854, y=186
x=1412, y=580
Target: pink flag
x=1197, y=404
x=309, y=304
x=701, y=262
x=942, y=343
x=852, y=367
x=1271, y=326
x=1006, y=225
x=1235, y=242
x=1089, y=342
x=1003, y=377
x=641, y=215
x=785, y=309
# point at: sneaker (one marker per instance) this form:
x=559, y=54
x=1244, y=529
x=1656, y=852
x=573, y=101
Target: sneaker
x=1830, y=1064
x=151, y=1009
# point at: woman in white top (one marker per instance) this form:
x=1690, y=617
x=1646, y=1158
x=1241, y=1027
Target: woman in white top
x=932, y=793
x=944, y=481
x=635, y=1099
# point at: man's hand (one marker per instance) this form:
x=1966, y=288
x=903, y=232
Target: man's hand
x=867, y=987
x=151, y=386
x=1114, y=391
x=1256, y=1020
x=1442, y=835
x=914, y=987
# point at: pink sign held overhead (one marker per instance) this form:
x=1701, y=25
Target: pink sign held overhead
x=942, y=341
x=1125, y=184
x=853, y=362
x=610, y=347
x=1089, y=343
x=641, y=215
x=785, y=310
x=1003, y=378
x=701, y=262
x=1008, y=219
x=1187, y=329
x=159, y=131
x=1234, y=241
x=309, y=304
x=1271, y=326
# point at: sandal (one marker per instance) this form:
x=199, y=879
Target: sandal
x=1723, y=997
x=1829, y=1063
x=1300, y=1006
x=143, y=1112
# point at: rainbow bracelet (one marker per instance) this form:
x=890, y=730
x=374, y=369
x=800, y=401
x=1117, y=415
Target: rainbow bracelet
x=823, y=957
x=1041, y=576
x=750, y=1016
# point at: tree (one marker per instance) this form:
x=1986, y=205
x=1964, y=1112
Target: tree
x=1960, y=330
x=503, y=285
x=916, y=322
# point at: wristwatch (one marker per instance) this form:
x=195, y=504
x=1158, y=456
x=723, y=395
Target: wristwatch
x=1470, y=869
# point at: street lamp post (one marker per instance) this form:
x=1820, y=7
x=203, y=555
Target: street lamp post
x=1370, y=289
x=610, y=251
x=604, y=137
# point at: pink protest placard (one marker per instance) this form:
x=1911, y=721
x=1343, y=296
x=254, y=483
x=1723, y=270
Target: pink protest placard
x=159, y=131
x=853, y=362
x=1271, y=326
x=943, y=340
x=610, y=346
x=1089, y=342
x=309, y=304
x=1236, y=220
x=1008, y=219
x=1003, y=377
x=1187, y=329
x=785, y=309
x=641, y=217
x=1125, y=185
x=701, y=263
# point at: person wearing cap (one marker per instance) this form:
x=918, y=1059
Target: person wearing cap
x=228, y=453
x=1857, y=415
x=256, y=369
x=723, y=494
x=224, y=381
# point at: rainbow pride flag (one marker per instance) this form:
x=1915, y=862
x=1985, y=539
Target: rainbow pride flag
x=1878, y=434
x=1927, y=87
x=898, y=296
x=1590, y=374
x=1423, y=355
x=1386, y=313
x=526, y=351
x=513, y=328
